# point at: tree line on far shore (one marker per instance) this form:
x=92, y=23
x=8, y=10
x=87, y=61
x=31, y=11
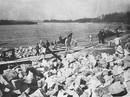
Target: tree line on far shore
x=113, y=17
x=16, y=22
x=122, y=17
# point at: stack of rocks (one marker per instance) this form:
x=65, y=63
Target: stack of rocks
x=22, y=52
x=77, y=75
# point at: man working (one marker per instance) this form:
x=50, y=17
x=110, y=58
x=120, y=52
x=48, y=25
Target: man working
x=37, y=49
x=68, y=42
x=101, y=36
x=119, y=51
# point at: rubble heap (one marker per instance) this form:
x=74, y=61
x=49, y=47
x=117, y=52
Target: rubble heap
x=22, y=52
x=77, y=75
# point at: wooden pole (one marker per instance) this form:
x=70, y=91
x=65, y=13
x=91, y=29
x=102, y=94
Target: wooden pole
x=55, y=55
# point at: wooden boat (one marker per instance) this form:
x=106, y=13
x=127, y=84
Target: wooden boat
x=63, y=40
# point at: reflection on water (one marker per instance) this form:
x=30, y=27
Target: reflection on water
x=16, y=35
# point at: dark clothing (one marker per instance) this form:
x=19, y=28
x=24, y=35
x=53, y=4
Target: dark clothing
x=100, y=40
x=101, y=36
x=117, y=33
x=60, y=38
x=47, y=44
x=37, y=49
x=43, y=44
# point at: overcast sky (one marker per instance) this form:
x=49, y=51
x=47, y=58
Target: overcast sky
x=59, y=9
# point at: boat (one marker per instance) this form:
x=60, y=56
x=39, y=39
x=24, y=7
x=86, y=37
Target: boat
x=62, y=41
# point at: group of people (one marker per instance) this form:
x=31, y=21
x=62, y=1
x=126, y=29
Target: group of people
x=104, y=32
x=101, y=36
x=120, y=50
x=41, y=47
x=66, y=41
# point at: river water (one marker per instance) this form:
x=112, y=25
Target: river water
x=24, y=35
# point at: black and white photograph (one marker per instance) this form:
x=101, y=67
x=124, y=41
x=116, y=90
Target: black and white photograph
x=64, y=48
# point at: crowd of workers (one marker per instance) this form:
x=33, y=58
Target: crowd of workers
x=42, y=47
x=68, y=40
x=77, y=75
x=101, y=36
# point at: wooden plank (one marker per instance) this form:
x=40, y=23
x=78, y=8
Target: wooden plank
x=20, y=60
x=55, y=55
x=31, y=58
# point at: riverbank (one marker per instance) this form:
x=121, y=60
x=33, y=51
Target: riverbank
x=16, y=22
x=93, y=46
x=81, y=73
x=27, y=35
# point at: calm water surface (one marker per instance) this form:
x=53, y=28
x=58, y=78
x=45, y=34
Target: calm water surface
x=17, y=35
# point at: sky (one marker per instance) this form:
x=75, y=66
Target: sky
x=59, y=9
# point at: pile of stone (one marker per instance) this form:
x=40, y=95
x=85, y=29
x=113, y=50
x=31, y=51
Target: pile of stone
x=77, y=75
x=22, y=52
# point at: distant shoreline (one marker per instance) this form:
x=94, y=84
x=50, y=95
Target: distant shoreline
x=85, y=22
x=15, y=22
x=107, y=18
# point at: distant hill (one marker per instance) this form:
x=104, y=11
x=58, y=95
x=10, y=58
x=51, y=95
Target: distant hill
x=58, y=21
x=68, y=21
x=113, y=17
x=15, y=22
x=83, y=20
